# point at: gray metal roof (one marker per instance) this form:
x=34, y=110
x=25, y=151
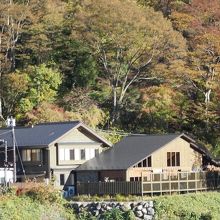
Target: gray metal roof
x=128, y=152
x=38, y=135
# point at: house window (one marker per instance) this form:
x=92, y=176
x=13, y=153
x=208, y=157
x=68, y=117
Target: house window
x=77, y=154
x=62, y=179
x=82, y=154
x=31, y=155
x=173, y=159
x=72, y=154
x=144, y=163
x=131, y=179
x=66, y=154
x=96, y=152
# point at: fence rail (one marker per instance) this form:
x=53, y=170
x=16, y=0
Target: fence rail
x=180, y=182
x=109, y=188
x=155, y=183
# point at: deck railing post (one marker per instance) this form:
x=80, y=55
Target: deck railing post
x=142, y=186
x=151, y=184
x=161, y=183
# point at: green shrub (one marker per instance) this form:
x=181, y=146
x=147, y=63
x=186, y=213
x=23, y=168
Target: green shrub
x=44, y=193
x=117, y=214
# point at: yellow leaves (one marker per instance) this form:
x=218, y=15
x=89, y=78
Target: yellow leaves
x=154, y=98
x=53, y=113
x=209, y=40
x=181, y=21
x=17, y=82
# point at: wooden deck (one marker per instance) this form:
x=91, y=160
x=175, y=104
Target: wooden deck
x=155, y=183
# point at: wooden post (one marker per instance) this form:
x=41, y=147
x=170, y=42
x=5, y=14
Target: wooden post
x=170, y=182
x=178, y=179
x=151, y=184
x=161, y=184
x=187, y=181
x=142, y=187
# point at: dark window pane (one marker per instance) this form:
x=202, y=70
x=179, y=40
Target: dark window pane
x=96, y=152
x=173, y=159
x=131, y=179
x=35, y=154
x=62, y=180
x=83, y=155
x=177, y=158
x=140, y=164
x=168, y=159
x=144, y=163
x=72, y=154
x=149, y=161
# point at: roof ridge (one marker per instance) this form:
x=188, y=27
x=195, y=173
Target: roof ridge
x=57, y=122
x=147, y=135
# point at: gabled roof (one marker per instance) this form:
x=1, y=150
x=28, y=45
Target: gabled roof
x=130, y=151
x=43, y=134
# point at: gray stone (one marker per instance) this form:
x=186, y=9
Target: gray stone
x=95, y=212
x=139, y=207
x=150, y=211
x=98, y=206
x=132, y=206
x=104, y=205
x=138, y=213
x=108, y=207
x=148, y=217
x=151, y=204
x=146, y=205
x=125, y=207
x=144, y=210
x=101, y=211
x=113, y=204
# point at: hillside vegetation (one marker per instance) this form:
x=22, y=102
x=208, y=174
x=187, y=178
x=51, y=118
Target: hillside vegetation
x=141, y=66
x=201, y=206
x=37, y=201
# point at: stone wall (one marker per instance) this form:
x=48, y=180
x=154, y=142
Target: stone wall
x=142, y=210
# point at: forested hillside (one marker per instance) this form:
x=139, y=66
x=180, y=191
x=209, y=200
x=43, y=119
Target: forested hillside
x=144, y=66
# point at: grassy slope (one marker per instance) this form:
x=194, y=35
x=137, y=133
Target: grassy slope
x=203, y=206
x=24, y=208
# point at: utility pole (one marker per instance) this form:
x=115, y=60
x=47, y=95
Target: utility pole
x=11, y=123
x=6, y=162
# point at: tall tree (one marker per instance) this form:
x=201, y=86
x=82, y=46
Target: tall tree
x=199, y=24
x=128, y=47
x=13, y=15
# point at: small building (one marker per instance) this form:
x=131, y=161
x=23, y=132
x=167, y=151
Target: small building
x=138, y=155
x=51, y=151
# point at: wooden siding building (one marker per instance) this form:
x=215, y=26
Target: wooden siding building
x=139, y=155
x=53, y=150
